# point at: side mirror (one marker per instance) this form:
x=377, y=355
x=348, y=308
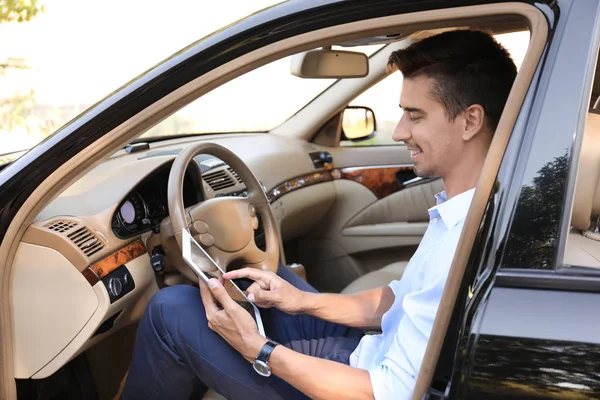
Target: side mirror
x=358, y=123
x=330, y=64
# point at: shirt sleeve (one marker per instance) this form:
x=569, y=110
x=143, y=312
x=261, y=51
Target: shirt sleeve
x=395, y=376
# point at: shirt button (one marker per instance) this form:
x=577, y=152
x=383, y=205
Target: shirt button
x=435, y=219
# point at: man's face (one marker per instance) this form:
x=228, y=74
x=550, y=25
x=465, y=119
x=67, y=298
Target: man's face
x=434, y=141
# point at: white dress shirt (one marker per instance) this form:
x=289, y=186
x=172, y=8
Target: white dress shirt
x=393, y=358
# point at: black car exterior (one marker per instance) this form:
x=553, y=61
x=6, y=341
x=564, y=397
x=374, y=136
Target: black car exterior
x=524, y=327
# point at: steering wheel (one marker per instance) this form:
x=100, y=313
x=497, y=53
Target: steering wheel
x=224, y=226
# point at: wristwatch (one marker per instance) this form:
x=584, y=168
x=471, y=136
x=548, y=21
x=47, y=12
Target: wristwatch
x=261, y=362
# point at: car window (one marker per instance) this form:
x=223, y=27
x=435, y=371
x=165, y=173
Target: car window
x=257, y=101
x=556, y=221
x=582, y=241
x=383, y=97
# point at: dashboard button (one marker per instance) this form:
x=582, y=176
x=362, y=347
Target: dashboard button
x=115, y=286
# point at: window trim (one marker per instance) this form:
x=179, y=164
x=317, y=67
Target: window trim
x=565, y=278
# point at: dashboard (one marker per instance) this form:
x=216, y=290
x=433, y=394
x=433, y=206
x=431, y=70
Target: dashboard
x=146, y=205
x=94, y=243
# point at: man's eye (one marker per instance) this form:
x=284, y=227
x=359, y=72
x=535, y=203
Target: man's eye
x=412, y=117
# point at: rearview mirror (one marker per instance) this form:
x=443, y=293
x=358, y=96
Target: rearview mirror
x=358, y=123
x=328, y=63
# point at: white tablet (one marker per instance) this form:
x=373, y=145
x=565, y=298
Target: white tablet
x=194, y=254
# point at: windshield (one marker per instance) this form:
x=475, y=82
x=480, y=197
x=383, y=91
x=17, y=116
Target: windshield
x=254, y=102
x=257, y=101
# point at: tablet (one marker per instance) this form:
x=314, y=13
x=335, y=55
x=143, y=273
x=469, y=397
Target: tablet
x=194, y=254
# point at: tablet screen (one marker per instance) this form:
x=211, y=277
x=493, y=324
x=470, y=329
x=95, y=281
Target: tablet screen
x=205, y=267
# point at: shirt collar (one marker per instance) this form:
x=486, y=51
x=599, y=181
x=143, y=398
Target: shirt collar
x=454, y=210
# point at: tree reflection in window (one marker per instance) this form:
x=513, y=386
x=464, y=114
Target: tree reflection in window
x=534, y=232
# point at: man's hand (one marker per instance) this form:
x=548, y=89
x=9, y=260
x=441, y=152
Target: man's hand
x=230, y=320
x=270, y=290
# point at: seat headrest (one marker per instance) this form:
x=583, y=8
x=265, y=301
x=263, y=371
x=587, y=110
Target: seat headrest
x=587, y=191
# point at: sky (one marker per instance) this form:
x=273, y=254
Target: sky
x=79, y=51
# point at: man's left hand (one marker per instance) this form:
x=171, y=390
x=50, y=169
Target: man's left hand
x=230, y=320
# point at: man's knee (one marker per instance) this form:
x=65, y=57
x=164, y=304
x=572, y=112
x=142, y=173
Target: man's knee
x=170, y=307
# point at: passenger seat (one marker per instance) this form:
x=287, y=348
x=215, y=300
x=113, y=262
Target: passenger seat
x=375, y=279
x=583, y=244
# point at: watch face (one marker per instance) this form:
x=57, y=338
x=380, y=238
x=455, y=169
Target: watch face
x=261, y=368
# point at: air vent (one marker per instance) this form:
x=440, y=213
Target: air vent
x=86, y=241
x=235, y=175
x=61, y=225
x=219, y=180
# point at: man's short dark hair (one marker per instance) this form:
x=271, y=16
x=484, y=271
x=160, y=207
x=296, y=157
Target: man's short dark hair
x=467, y=66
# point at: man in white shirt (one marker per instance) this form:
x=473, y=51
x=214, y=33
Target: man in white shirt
x=453, y=92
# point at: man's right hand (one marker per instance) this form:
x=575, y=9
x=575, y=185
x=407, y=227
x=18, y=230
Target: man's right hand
x=270, y=290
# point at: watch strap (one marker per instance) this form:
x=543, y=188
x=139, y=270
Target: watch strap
x=266, y=351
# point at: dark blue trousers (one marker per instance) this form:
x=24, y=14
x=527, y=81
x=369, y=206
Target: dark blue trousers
x=177, y=356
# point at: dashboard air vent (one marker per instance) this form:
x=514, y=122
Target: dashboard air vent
x=61, y=225
x=86, y=241
x=235, y=175
x=218, y=180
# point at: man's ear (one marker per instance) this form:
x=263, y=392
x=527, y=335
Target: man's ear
x=473, y=121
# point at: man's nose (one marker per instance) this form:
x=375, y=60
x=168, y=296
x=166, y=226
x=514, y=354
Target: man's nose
x=401, y=133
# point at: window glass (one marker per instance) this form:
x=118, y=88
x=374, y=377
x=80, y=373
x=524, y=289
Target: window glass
x=257, y=101
x=537, y=229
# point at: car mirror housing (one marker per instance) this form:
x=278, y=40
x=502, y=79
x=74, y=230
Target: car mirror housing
x=330, y=64
x=358, y=123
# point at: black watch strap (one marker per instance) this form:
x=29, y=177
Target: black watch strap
x=266, y=351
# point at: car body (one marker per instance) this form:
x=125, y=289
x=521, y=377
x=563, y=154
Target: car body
x=516, y=321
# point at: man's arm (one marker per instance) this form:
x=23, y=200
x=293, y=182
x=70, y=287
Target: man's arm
x=317, y=378
x=363, y=309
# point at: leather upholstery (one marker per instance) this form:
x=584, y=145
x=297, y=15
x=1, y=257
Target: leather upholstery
x=587, y=195
x=375, y=279
x=407, y=205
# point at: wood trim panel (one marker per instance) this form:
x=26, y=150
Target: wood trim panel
x=100, y=269
x=90, y=276
x=298, y=183
x=379, y=180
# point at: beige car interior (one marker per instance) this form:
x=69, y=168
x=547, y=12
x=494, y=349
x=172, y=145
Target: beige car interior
x=583, y=241
x=54, y=301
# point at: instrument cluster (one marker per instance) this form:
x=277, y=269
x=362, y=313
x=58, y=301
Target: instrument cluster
x=146, y=206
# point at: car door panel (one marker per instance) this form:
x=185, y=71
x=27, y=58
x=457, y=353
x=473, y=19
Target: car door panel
x=560, y=337
x=408, y=205
x=387, y=229
x=362, y=233
x=382, y=181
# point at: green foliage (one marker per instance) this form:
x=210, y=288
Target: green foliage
x=19, y=10
x=18, y=110
x=15, y=111
x=533, y=237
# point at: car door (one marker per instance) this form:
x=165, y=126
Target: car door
x=526, y=321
